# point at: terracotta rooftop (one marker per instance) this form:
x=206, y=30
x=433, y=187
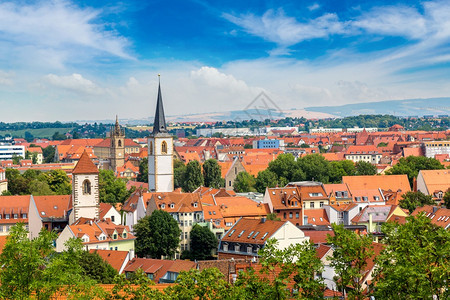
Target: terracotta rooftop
x=385, y=182
x=85, y=165
x=53, y=206
x=252, y=231
x=113, y=257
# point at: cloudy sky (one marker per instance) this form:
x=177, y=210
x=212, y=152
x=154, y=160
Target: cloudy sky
x=72, y=60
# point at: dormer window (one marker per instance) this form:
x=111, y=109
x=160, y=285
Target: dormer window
x=124, y=235
x=115, y=236
x=163, y=206
x=195, y=204
x=86, y=187
x=7, y=216
x=172, y=205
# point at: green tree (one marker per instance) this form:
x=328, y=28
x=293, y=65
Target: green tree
x=265, y=179
x=297, y=260
x=96, y=268
x=59, y=182
x=285, y=167
x=415, y=263
x=193, y=177
x=17, y=184
x=208, y=284
x=143, y=170
x=31, y=267
x=39, y=188
x=179, y=168
x=315, y=167
x=212, y=173
x=202, y=243
x=110, y=188
x=49, y=154
x=382, y=144
x=365, y=168
x=28, y=136
x=244, y=183
x=412, y=200
x=341, y=168
x=413, y=164
x=157, y=235
x=349, y=260
x=58, y=136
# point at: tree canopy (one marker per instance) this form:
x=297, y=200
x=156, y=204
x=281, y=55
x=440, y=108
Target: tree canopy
x=111, y=189
x=202, y=243
x=415, y=263
x=411, y=166
x=212, y=174
x=157, y=235
x=192, y=177
x=412, y=200
x=365, y=168
x=244, y=183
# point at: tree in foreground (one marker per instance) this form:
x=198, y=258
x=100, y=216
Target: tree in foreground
x=193, y=177
x=203, y=241
x=212, y=173
x=32, y=267
x=297, y=260
x=96, y=268
x=412, y=200
x=244, y=183
x=416, y=261
x=157, y=235
x=349, y=260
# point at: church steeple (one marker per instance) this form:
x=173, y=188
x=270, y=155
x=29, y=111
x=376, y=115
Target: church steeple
x=159, y=125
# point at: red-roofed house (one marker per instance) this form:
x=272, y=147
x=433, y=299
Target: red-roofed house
x=13, y=210
x=107, y=211
x=117, y=259
x=248, y=236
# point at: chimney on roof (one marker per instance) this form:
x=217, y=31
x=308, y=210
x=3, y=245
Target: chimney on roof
x=263, y=220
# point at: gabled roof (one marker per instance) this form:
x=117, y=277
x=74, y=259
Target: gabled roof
x=85, y=165
x=104, y=209
x=322, y=250
x=379, y=213
x=174, y=202
x=436, y=180
x=438, y=216
x=53, y=206
x=385, y=182
x=113, y=257
x=252, y=231
x=316, y=216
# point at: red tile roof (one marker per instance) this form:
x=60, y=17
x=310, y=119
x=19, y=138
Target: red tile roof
x=252, y=231
x=53, y=206
x=114, y=258
x=85, y=165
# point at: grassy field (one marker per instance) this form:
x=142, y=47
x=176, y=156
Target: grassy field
x=39, y=133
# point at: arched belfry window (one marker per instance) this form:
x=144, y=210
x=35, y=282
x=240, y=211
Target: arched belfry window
x=164, y=147
x=150, y=148
x=120, y=143
x=86, y=187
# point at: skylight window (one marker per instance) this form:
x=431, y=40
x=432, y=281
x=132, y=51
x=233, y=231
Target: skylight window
x=250, y=234
x=240, y=234
x=231, y=233
x=256, y=234
x=264, y=236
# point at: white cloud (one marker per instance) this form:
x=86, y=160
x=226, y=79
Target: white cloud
x=276, y=27
x=393, y=20
x=75, y=82
x=57, y=29
x=314, y=6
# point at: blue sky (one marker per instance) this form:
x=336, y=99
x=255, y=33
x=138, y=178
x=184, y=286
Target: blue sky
x=64, y=60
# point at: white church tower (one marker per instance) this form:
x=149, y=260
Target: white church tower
x=160, y=152
x=85, y=197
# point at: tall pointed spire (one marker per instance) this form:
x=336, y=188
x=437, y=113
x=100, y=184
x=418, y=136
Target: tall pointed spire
x=117, y=126
x=159, y=126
